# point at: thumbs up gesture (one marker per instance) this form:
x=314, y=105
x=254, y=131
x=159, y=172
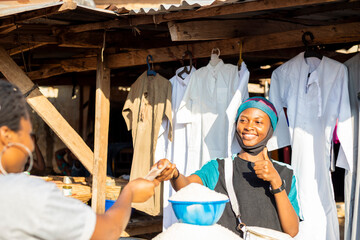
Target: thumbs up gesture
x=264, y=169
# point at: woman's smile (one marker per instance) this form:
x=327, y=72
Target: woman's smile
x=249, y=136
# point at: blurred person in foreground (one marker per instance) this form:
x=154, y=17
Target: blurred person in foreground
x=34, y=209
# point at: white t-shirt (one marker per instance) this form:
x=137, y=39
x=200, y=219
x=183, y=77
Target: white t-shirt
x=31, y=208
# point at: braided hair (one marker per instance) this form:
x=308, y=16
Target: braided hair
x=12, y=106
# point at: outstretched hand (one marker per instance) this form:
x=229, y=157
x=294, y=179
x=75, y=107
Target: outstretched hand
x=265, y=170
x=142, y=189
x=169, y=171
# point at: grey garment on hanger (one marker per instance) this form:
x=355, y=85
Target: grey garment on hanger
x=352, y=179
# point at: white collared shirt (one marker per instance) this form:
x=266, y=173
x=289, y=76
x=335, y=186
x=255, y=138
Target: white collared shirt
x=175, y=151
x=204, y=105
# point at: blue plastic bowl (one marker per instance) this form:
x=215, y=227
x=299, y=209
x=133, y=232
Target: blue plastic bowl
x=108, y=204
x=199, y=213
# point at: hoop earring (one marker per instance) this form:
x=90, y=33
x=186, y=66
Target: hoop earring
x=18, y=145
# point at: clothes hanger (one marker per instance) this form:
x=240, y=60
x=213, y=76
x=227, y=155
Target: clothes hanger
x=310, y=52
x=185, y=70
x=240, y=56
x=150, y=71
x=214, y=59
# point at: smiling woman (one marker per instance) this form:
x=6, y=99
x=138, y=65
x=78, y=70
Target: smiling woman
x=256, y=121
x=253, y=127
x=271, y=195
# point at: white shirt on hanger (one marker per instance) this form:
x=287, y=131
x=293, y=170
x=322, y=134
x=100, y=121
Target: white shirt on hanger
x=315, y=94
x=233, y=86
x=204, y=105
x=175, y=151
x=240, y=96
x=352, y=178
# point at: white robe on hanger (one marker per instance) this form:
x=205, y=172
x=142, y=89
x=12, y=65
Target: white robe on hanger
x=314, y=101
x=177, y=151
x=208, y=96
x=352, y=178
x=174, y=151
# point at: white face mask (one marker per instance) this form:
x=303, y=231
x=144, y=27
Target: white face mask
x=18, y=145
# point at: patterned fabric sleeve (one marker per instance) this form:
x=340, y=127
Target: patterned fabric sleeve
x=209, y=174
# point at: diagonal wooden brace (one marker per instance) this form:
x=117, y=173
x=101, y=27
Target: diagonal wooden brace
x=14, y=74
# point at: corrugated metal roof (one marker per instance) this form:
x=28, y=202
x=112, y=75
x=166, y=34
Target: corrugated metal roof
x=85, y=14
x=7, y=10
x=185, y=5
x=79, y=14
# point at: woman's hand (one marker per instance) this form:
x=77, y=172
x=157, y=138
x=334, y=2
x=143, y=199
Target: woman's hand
x=168, y=173
x=265, y=170
x=141, y=189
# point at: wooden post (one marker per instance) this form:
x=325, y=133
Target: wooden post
x=46, y=110
x=102, y=111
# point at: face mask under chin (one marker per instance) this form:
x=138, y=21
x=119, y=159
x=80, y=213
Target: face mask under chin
x=256, y=149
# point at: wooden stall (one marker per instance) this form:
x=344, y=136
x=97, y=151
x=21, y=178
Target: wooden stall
x=53, y=43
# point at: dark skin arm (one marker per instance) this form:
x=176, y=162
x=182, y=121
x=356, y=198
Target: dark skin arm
x=112, y=223
x=289, y=220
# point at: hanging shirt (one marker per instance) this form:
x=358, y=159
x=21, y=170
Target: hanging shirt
x=240, y=96
x=148, y=102
x=352, y=178
x=175, y=151
x=204, y=106
x=315, y=94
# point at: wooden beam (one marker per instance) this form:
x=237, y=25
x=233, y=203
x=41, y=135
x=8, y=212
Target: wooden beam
x=121, y=39
x=102, y=112
x=28, y=39
x=310, y=15
x=82, y=40
x=342, y=5
x=323, y=35
x=341, y=33
x=7, y=30
x=46, y=110
x=65, y=66
x=111, y=24
x=224, y=29
x=119, y=23
x=25, y=48
x=237, y=8
x=45, y=72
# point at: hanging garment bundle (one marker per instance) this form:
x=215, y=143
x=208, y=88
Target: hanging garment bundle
x=183, y=130
x=315, y=93
x=175, y=151
x=352, y=178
